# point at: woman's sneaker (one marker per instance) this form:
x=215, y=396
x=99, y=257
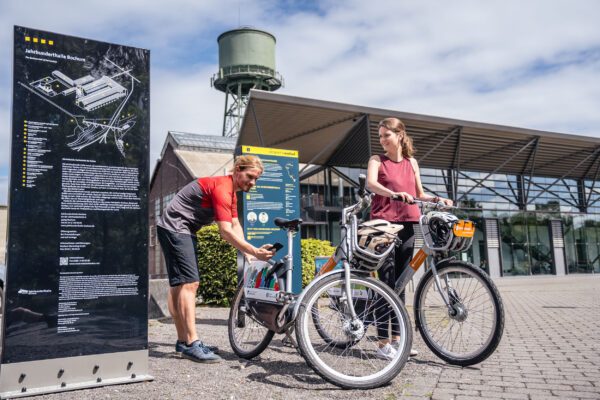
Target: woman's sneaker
x=386, y=352
x=179, y=346
x=396, y=345
x=199, y=353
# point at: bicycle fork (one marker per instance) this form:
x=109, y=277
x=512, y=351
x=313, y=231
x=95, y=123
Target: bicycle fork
x=415, y=264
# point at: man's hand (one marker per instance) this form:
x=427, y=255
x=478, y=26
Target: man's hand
x=249, y=257
x=263, y=253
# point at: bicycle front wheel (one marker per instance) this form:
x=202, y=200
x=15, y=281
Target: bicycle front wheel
x=248, y=338
x=470, y=330
x=348, y=355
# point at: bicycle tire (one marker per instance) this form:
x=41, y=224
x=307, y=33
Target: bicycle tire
x=247, y=337
x=431, y=314
x=355, y=366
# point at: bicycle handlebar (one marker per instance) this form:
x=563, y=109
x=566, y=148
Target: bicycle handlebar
x=422, y=203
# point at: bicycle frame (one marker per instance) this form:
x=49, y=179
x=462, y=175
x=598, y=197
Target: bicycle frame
x=346, y=250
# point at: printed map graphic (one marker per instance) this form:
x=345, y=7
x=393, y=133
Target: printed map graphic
x=95, y=102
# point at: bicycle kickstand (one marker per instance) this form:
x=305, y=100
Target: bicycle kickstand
x=288, y=340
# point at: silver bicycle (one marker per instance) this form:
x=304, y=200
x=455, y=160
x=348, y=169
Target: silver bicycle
x=458, y=309
x=341, y=319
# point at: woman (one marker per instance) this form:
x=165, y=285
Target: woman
x=396, y=174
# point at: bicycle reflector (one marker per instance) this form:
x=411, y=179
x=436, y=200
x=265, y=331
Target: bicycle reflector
x=464, y=228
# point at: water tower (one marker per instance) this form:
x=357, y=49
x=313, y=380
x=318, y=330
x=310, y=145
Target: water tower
x=246, y=61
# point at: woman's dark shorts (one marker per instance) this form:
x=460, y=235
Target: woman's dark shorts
x=180, y=255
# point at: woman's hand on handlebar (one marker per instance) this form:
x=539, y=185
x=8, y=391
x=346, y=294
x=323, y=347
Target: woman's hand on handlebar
x=403, y=196
x=263, y=253
x=447, y=202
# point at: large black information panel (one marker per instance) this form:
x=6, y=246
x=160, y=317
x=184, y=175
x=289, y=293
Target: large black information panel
x=77, y=279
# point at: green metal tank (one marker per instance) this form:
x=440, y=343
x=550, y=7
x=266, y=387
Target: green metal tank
x=246, y=60
x=246, y=46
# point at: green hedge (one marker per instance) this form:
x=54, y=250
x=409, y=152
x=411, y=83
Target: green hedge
x=218, y=270
x=217, y=267
x=312, y=248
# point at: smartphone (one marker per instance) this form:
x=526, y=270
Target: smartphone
x=276, y=247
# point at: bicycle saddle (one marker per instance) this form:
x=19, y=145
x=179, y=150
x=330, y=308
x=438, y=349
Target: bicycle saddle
x=292, y=224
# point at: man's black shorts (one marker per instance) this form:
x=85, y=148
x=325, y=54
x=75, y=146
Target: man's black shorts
x=180, y=255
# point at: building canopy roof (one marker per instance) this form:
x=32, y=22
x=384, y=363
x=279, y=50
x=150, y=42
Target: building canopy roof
x=336, y=134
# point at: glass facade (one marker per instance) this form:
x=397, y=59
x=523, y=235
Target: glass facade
x=582, y=243
x=525, y=244
x=524, y=207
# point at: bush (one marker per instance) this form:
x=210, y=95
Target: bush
x=217, y=267
x=311, y=248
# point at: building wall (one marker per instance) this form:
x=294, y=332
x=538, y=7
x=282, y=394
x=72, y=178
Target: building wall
x=3, y=232
x=170, y=176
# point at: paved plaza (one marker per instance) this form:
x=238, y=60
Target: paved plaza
x=550, y=349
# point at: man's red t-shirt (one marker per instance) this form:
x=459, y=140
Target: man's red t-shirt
x=199, y=203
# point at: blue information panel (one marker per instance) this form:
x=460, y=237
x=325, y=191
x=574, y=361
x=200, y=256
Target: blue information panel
x=276, y=194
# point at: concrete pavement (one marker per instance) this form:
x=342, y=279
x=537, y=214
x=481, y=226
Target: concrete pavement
x=550, y=349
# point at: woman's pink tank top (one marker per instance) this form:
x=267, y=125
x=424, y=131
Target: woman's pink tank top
x=398, y=177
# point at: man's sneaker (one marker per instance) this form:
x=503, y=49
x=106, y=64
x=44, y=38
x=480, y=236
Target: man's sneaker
x=179, y=346
x=212, y=348
x=396, y=345
x=386, y=352
x=199, y=353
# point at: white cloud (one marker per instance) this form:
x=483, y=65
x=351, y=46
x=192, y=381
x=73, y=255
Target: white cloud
x=436, y=59
x=532, y=64
x=185, y=103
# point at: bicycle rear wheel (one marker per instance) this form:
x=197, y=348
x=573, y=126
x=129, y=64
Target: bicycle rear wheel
x=469, y=332
x=327, y=329
x=347, y=356
x=248, y=338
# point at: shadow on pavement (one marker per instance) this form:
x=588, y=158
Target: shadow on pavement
x=285, y=374
x=200, y=321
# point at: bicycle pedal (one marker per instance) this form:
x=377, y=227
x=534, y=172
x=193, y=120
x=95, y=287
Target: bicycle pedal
x=289, y=342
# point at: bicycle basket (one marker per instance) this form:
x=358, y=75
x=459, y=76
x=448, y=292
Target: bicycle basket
x=444, y=231
x=374, y=238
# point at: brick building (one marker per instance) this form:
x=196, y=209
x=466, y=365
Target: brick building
x=184, y=157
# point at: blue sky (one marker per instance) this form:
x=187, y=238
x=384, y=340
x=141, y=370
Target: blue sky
x=532, y=64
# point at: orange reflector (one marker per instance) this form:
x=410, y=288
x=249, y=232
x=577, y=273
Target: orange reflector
x=418, y=260
x=463, y=228
x=328, y=266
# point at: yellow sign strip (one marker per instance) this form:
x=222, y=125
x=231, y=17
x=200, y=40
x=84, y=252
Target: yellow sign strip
x=265, y=151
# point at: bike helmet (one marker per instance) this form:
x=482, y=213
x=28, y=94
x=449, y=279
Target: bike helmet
x=440, y=228
x=377, y=235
